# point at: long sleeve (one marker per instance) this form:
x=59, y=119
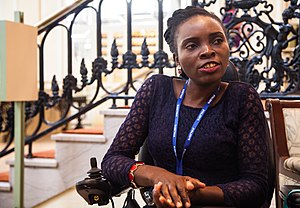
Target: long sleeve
x=129, y=138
x=250, y=189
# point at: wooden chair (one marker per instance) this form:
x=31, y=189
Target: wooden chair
x=285, y=122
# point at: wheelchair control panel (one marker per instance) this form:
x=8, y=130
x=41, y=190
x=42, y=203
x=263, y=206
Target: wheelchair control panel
x=95, y=189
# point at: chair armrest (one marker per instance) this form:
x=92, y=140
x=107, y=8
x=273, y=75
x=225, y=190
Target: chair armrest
x=286, y=172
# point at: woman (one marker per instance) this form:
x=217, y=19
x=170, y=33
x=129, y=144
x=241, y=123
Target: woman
x=206, y=137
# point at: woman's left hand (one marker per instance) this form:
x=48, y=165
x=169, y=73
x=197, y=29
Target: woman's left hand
x=161, y=201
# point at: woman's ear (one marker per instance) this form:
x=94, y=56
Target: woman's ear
x=175, y=58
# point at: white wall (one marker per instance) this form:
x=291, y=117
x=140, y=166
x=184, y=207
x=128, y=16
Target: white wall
x=34, y=12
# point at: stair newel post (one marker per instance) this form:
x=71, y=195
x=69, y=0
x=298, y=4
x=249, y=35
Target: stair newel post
x=18, y=84
x=19, y=129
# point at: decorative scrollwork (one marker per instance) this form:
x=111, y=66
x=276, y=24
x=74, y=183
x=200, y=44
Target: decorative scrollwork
x=129, y=60
x=145, y=54
x=245, y=4
x=203, y=3
x=291, y=12
x=268, y=8
x=69, y=84
x=161, y=60
x=252, y=75
x=114, y=52
x=99, y=66
x=54, y=88
x=83, y=72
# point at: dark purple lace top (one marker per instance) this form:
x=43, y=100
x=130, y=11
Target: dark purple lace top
x=228, y=149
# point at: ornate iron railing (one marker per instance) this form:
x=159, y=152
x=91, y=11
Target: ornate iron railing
x=258, y=45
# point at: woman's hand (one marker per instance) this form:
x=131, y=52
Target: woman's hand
x=171, y=189
x=175, y=195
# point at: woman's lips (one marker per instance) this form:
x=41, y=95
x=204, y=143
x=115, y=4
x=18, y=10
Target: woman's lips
x=209, y=69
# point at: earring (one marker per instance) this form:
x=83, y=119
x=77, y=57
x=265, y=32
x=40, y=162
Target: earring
x=179, y=69
x=181, y=73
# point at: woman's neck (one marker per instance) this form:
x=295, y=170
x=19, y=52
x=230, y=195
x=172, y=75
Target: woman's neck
x=198, y=95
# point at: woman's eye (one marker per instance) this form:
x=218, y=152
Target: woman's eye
x=191, y=46
x=217, y=41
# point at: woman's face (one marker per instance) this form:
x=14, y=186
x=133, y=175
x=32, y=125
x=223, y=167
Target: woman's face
x=203, y=49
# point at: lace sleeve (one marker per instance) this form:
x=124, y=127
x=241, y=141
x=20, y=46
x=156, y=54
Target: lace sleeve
x=130, y=137
x=252, y=155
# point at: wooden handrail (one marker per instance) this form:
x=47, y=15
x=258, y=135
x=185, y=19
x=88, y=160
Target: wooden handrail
x=59, y=15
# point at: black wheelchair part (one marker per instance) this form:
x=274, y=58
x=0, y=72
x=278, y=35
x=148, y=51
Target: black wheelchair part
x=95, y=189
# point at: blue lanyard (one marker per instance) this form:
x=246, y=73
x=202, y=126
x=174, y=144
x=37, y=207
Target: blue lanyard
x=179, y=169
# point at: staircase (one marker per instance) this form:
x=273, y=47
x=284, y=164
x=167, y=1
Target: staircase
x=48, y=177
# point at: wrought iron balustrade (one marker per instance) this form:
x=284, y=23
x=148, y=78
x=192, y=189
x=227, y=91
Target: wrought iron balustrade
x=258, y=46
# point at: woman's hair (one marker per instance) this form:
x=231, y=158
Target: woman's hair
x=180, y=16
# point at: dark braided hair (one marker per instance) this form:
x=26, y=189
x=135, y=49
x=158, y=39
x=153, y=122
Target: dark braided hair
x=180, y=16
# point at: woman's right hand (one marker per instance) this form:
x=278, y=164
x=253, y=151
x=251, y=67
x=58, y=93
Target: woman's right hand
x=171, y=190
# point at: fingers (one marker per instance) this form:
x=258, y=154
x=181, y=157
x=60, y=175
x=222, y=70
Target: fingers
x=183, y=199
x=175, y=194
x=156, y=194
x=192, y=183
x=167, y=195
x=170, y=196
x=159, y=199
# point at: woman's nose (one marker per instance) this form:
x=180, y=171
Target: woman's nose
x=206, y=51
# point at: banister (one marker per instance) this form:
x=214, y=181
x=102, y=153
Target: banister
x=264, y=67
x=60, y=14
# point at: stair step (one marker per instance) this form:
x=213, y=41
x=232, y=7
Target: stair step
x=37, y=162
x=44, y=154
x=5, y=186
x=98, y=138
x=4, y=181
x=4, y=176
x=124, y=107
x=85, y=131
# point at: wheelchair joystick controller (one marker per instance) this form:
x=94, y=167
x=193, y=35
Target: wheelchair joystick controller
x=95, y=189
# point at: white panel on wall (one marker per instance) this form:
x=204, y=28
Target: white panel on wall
x=6, y=10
